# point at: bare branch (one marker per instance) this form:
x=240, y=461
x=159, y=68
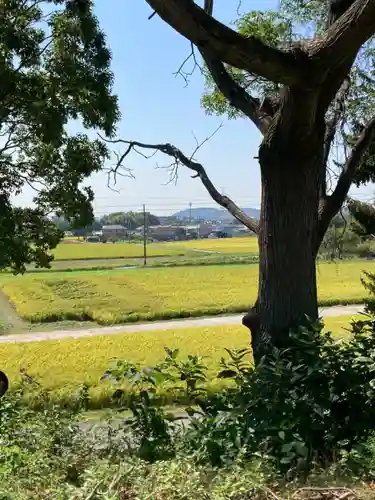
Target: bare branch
x=334, y=202
x=114, y=171
x=186, y=74
x=179, y=158
x=221, y=42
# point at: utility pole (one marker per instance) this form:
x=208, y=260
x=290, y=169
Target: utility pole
x=144, y=236
x=190, y=205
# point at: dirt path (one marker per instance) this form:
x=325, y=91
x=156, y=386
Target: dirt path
x=10, y=321
x=160, y=325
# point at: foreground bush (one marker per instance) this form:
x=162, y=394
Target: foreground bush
x=48, y=456
x=301, y=407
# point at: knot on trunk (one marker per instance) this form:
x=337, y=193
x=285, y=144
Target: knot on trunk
x=251, y=320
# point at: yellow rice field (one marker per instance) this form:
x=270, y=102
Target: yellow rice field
x=85, y=251
x=117, y=296
x=245, y=245
x=67, y=363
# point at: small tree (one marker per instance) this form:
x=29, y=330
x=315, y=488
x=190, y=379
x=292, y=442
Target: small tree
x=306, y=95
x=55, y=68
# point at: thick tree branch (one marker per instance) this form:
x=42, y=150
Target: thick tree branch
x=334, y=202
x=235, y=94
x=220, y=42
x=199, y=172
x=345, y=37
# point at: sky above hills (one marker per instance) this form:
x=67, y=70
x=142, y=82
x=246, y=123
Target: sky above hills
x=157, y=107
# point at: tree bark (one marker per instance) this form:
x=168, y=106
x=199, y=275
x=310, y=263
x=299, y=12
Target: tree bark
x=287, y=294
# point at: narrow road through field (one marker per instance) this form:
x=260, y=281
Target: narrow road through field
x=161, y=325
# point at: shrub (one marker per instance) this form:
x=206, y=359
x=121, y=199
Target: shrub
x=300, y=407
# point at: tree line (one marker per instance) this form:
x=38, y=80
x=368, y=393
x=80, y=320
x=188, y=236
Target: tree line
x=130, y=220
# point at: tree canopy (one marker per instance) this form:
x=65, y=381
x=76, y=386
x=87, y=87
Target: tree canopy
x=130, y=220
x=55, y=67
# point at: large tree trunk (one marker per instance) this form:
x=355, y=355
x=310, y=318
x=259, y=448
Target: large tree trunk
x=287, y=292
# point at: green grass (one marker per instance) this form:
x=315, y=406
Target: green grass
x=109, y=297
x=62, y=365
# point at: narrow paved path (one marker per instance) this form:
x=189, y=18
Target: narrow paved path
x=161, y=325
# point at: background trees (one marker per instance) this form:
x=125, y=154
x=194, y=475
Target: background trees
x=55, y=68
x=130, y=220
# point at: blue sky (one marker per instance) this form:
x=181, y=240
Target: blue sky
x=157, y=107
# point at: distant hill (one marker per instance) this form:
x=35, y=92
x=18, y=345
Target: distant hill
x=202, y=213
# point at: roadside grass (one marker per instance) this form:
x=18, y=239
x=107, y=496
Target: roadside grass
x=120, y=296
x=63, y=365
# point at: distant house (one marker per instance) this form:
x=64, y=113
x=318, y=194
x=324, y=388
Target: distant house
x=114, y=233
x=199, y=230
x=166, y=233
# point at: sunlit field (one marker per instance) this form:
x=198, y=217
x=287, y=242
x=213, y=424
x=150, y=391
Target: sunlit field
x=70, y=362
x=117, y=296
x=222, y=245
x=82, y=251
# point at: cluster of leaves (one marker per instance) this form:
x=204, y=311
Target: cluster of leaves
x=364, y=219
x=301, y=406
x=154, y=430
x=272, y=28
x=55, y=69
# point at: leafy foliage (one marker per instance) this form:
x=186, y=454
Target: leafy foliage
x=130, y=220
x=55, y=70
x=272, y=28
x=364, y=219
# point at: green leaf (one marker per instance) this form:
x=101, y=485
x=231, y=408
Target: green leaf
x=287, y=447
x=282, y=435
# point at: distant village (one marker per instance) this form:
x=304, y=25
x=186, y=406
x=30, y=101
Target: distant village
x=158, y=229
x=192, y=231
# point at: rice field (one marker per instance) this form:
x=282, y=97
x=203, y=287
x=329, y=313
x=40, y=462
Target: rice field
x=245, y=245
x=64, y=364
x=119, y=296
x=89, y=251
